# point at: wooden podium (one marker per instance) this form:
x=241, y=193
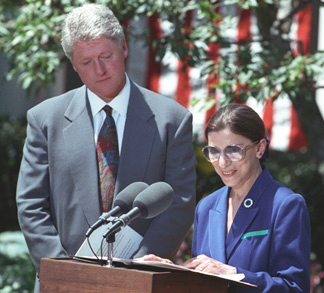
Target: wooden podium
x=68, y=275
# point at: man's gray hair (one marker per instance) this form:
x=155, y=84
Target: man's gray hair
x=90, y=22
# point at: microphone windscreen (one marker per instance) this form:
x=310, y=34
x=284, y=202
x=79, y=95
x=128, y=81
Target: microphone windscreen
x=125, y=198
x=154, y=200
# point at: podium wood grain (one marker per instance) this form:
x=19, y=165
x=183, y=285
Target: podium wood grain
x=67, y=275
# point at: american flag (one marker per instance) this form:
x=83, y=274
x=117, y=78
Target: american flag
x=168, y=78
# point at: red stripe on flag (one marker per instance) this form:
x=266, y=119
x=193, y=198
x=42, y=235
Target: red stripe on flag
x=243, y=34
x=214, y=50
x=304, y=18
x=154, y=68
x=297, y=138
x=244, y=25
x=183, y=90
x=212, y=79
x=268, y=117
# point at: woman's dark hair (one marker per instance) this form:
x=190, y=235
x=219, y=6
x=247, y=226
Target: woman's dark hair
x=241, y=120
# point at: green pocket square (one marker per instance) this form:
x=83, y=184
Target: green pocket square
x=255, y=233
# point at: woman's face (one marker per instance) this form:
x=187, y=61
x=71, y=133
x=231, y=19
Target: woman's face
x=239, y=175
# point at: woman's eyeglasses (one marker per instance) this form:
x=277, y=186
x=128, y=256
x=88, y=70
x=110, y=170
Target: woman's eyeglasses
x=233, y=152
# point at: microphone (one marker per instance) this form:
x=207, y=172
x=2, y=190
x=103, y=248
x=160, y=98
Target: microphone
x=151, y=202
x=122, y=204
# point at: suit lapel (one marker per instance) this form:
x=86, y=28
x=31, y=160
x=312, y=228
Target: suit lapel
x=79, y=142
x=245, y=215
x=242, y=221
x=217, y=228
x=137, y=141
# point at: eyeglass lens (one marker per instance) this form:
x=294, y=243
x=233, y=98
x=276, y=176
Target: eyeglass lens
x=233, y=152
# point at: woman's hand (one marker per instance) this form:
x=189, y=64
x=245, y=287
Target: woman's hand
x=206, y=264
x=152, y=257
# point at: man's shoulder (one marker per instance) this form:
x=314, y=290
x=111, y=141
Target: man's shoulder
x=57, y=102
x=52, y=109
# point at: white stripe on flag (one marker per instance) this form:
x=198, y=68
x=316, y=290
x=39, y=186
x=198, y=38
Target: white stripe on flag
x=168, y=79
x=281, y=123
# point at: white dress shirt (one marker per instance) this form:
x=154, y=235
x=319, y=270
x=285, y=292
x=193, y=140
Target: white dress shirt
x=119, y=110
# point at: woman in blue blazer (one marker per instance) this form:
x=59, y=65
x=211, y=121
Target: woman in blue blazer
x=253, y=225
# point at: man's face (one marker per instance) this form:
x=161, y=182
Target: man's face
x=100, y=64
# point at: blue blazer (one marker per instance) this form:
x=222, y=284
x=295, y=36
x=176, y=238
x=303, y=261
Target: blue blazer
x=268, y=242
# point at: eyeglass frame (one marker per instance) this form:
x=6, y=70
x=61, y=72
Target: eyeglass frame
x=222, y=152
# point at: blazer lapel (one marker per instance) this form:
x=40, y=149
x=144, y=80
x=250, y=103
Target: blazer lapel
x=217, y=228
x=137, y=141
x=79, y=141
x=242, y=221
x=245, y=215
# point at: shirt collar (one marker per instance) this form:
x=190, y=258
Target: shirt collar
x=118, y=104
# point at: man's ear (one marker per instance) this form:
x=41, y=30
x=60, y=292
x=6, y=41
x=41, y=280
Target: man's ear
x=125, y=48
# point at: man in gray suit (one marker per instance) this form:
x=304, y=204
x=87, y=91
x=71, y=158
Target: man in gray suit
x=57, y=192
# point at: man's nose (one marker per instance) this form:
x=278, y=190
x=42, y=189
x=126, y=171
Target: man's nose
x=99, y=67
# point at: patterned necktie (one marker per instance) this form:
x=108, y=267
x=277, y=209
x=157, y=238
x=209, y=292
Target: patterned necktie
x=108, y=158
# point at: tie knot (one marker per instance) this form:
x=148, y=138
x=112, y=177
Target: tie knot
x=108, y=110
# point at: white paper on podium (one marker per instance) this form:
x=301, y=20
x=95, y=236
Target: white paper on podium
x=232, y=277
x=126, y=244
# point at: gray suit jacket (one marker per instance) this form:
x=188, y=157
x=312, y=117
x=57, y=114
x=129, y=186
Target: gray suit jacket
x=57, y=191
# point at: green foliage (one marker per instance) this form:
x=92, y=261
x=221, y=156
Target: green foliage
x=246, y=4
x=17, y=272
x=30, y=33
x=264, y=76
x=31, y=43
x=12, y=136
x=30, y=37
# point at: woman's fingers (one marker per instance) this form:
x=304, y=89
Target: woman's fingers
x=152, y=257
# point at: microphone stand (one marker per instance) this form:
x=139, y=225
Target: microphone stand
x=110, y=237
x=110, y=241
